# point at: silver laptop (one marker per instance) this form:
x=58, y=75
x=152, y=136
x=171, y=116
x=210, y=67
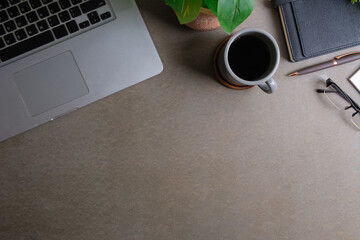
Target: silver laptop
x=59, y=55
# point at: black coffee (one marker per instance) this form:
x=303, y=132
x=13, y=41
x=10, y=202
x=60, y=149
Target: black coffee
x=249, y=57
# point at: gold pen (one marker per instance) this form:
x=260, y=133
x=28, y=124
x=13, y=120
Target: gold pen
x=345, y=58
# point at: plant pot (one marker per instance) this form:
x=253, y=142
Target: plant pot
x=205, y=21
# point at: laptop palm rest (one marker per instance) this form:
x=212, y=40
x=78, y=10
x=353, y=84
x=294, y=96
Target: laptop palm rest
x=50, y=83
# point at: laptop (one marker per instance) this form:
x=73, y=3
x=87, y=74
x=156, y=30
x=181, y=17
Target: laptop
x=59, y=55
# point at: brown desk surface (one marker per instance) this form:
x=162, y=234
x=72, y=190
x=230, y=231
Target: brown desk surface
x=179, y=156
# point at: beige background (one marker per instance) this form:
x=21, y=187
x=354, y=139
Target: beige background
x=179, y=156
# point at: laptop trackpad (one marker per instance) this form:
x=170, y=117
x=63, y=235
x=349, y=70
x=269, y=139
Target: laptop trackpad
x=50, y=83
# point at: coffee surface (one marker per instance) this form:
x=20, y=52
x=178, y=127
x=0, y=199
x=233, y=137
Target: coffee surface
x=249, y=57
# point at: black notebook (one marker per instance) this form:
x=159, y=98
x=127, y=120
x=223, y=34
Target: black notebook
x=316, y=27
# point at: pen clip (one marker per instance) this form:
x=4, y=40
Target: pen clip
x=346, y=54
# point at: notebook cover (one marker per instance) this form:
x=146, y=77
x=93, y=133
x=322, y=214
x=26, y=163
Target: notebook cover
x=317, y=27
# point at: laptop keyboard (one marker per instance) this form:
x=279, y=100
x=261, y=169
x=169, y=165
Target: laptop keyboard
x=26, y=25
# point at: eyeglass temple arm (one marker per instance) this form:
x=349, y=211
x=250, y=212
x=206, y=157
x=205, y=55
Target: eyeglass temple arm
x=343, y=94
x=319, y=90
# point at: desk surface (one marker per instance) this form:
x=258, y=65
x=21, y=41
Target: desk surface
x=179, y=156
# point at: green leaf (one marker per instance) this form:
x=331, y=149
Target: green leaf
x=231, y=13
x=190, y=11
x=177, y=5
x=212, y=5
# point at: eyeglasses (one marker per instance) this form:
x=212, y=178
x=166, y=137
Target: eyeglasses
x=341, y=100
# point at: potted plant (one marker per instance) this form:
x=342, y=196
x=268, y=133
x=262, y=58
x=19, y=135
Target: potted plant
x=230, y=13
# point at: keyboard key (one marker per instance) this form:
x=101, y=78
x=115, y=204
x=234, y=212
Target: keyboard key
x=3, y=16
x=24, y=7
x=13, y=2
x=2, y=44
x=53, y=21
x=54, y=7
x=74, y=2
x=35, y=3
x=43, y=12
x=60, y=31
x=10, y=26
x=4, y=4
x=20, y=34
x=13, y=11
x=2, y=30
x=75, y=11
x=91, y=5
x=9, y=39
x=105, y=15
x=64, y=16
x=32, y=17
x=26, y=45
x=64, y=4
x=72, y=26
x=46, y=1
x=94, y=17
x=31, y=30
x=20, y=21
x=42, y=25
x=84, y=24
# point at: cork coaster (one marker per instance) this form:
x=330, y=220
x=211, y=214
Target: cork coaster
x=217, y=72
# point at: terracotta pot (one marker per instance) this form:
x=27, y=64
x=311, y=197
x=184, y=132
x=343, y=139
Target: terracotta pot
x=205, y=21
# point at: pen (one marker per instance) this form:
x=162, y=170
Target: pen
x=345, y=58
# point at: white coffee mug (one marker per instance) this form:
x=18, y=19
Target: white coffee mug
x=250, y=57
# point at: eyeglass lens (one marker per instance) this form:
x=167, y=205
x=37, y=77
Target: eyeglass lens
x=339, y=99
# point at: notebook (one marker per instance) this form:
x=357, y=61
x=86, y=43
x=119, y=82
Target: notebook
x=313, y=28
x=57, y=56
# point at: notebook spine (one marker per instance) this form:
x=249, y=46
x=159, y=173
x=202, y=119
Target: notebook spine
x=277, y=3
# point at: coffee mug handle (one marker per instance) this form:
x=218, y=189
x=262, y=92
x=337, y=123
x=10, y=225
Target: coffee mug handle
x=269, y=86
